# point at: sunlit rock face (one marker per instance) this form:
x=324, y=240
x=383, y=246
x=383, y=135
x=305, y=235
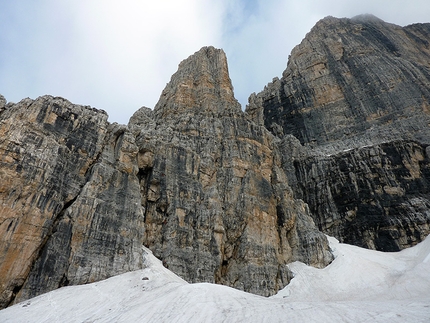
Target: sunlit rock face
x=356, y=83
x=353, y=78
x=201, y=85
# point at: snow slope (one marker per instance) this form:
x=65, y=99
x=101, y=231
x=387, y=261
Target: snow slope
x=359, y=286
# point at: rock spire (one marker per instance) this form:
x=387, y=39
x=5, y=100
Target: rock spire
x=201, y=85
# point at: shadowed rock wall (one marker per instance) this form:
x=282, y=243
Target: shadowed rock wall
x=355, y=95
x=375, y=197
x=66, y=191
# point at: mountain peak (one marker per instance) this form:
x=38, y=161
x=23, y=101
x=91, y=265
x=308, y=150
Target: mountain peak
x=201, y=85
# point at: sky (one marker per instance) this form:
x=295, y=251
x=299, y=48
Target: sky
x=360, y=285
x=119, y=55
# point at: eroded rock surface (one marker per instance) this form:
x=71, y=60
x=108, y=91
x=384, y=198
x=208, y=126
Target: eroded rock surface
x=375, y=197
x=355, y=83
x=352, y=80
x=339, y=143
x=68, y=183
x=194, y=179
x=218, y=207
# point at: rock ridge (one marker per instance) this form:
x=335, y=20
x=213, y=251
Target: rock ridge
x=56, y=194
x=353, y=76
x=224, y=192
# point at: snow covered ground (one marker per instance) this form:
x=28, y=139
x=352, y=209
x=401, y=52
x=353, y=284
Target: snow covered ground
x=359, y=286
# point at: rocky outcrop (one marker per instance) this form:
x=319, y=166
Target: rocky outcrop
x=2, y=103
x=375, y=197
x=356, y=95
x=66, y=211
x=218, y=207
x=339, y=143
x=352, y=80
x=194, y=179
x=201, y=86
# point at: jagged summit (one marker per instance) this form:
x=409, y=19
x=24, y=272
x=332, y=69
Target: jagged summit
x=202, y=83
x=362, y=18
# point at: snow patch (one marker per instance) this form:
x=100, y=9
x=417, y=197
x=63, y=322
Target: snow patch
x=360, y=285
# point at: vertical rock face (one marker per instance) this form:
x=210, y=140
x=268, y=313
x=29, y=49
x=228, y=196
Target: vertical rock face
x=194, y=180
x=208, y=188
x=46, y=151
x=356, y=83
x=101, y=233
x=201, y=85
x=66, y=211
x=350, y=76
x=218, y=207
x=375, y=197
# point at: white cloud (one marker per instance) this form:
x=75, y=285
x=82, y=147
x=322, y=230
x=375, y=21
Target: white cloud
x=114, y=55
x=133, y=47
x=260, y=46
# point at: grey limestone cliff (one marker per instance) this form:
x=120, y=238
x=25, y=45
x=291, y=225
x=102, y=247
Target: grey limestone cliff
x=352, y=81
x=352, y=109
x=194, y=180
x=218, y=207
x=339, y=144
x=68, y=183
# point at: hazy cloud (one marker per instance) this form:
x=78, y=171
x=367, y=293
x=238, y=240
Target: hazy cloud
x=118, y=55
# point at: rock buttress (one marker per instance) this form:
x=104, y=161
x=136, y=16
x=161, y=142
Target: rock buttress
x=218, y=207
x=67, y=211
x=356, y=83
x=352, y=80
